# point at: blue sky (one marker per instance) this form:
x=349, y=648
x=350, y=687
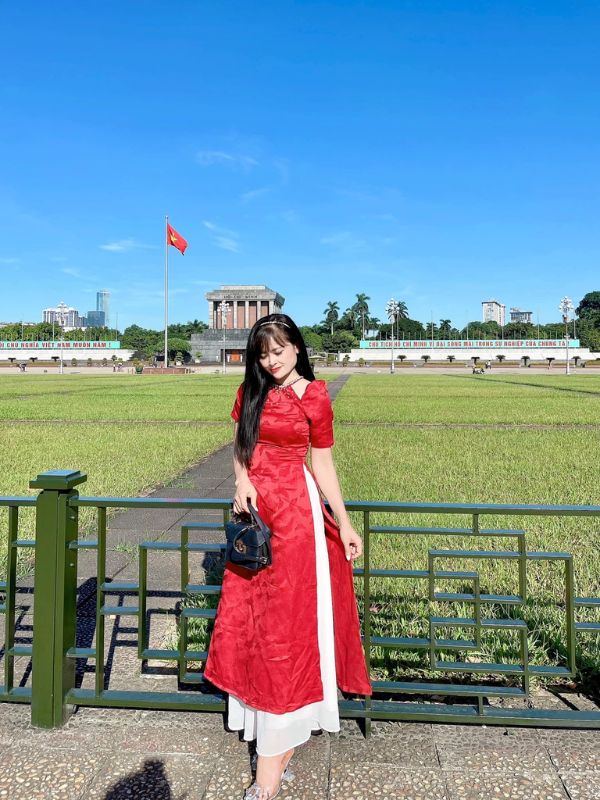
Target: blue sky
x=439, y=152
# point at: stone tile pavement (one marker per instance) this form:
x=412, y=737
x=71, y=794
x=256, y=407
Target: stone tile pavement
x=112, y=754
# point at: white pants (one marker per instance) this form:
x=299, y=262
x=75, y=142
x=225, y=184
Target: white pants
x=276, y=733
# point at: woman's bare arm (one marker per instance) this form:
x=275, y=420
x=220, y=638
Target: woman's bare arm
x=324, y=469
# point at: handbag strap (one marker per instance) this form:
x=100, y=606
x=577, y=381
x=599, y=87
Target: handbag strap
x=255, y=516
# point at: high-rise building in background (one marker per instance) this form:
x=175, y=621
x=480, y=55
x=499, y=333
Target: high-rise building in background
x=102, y=301
x=493, y=311
x=95, y=319
x=518, y=315
x=65, y=316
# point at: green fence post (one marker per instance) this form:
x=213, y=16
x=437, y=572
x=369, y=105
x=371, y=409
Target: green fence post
x=55, y=595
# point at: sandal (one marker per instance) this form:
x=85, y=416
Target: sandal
x=256, y=792
x=288, y=773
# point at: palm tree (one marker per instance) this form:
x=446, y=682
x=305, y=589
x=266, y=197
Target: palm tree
x=361, y=308
x=402, y=310
x=445, y=328
x=331, y=313
x=350, y=314
x=373, y=323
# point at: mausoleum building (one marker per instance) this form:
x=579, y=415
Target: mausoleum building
x=232, y=311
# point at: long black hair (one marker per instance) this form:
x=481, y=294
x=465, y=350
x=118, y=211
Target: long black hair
x=257, y=381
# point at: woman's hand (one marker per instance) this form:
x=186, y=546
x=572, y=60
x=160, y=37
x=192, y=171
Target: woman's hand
x=244, y=490
x=351, y=540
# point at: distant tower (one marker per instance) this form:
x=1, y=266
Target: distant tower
x=102, y=298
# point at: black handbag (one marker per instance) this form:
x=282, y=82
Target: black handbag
x=248, y=541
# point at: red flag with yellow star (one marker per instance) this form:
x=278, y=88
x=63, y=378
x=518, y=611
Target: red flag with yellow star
x=173, y=238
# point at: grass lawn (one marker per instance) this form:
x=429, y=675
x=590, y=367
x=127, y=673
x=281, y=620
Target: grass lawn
x=503, y=439
x=434, y=438
x=129, y=433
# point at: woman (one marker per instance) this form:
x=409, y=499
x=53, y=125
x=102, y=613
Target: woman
x=284, y=637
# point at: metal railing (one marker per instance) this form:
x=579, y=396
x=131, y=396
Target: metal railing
x=54, y=652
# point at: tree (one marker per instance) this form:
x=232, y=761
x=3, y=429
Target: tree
x=520, y=330
x=445, y=328
x=143, y=341
x=42, y=332
x=589, y=334
x=483, y=330
x=361, y=308
x=407, y=328
x=340, y=341
x=432, y=331
x=178, y=348
x=402, y=310
x=589, y=307
x=314, y=341
x=349, y=319
x=331, y=313
x=11, y=333
x=184, y=330
x=374, y=323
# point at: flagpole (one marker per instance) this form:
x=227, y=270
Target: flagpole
x=165, y=364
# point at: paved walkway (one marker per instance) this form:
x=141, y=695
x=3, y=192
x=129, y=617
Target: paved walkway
x=112, y=754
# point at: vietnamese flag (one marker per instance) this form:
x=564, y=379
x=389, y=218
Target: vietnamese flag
x=175, y=239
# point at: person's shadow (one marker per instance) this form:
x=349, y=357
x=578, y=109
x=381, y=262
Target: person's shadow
x=150, y=782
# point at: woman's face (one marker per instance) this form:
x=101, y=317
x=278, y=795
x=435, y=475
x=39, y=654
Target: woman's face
x=278, y=359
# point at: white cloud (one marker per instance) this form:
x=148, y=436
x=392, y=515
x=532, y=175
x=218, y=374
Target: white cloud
x=254, y=194
x=210, y=158
x=344, y=240
x=225, y=243
x=125, y=245
x=222, y=238
x=74, y=273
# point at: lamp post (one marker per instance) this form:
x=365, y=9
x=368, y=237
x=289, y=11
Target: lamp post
x=224, y=307
x=391, y=309
x=566, y=307
x=62, y=338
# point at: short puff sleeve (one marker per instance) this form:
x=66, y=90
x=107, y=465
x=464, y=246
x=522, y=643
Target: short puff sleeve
x=317, y=405
x=237, y=406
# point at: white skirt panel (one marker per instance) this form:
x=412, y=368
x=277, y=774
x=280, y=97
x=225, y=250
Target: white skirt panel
x=276, y=733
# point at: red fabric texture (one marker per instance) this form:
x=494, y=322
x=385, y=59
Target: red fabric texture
x=264, y=646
